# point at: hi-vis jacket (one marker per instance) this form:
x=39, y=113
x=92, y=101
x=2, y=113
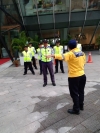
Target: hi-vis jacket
x=27, y=56
x=45, y=52
x=32, y=50
x=58, y=49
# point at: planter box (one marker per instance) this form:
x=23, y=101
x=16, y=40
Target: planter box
x=21, y=61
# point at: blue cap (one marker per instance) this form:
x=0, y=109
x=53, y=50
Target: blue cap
x=72, y=44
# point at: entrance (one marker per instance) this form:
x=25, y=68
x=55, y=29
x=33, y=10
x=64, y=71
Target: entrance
x=8, y=34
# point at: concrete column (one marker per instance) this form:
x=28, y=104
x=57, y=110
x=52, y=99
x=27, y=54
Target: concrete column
x=63, y=34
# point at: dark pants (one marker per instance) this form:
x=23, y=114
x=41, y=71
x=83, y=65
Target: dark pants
x=61, y=65
x=40, y=63
x=49, y=66
x=34, y=62
x=26, y=65
x=76, y=88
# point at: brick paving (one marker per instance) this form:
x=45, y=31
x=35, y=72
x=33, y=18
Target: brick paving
x=27, y=107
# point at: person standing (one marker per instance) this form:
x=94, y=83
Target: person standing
x=27, y=60
x=58, y=49
x=47, y=63
x=39, y=57
x=76, y=76
x=32, y=50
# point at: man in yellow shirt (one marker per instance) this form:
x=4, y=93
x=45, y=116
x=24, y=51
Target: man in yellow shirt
x=76, y=76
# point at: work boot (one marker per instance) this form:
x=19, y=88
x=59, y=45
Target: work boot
x=81, y=107
x=53, y=84
x=71, y=111
x=24, y=73
x=40, y=73
x=44, y=84
x=63, y=72
x=33, y=73
x=36, y=68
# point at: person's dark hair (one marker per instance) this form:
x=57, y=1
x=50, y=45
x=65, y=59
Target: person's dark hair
x=25, y=46
x=45, y=41
x=72, y=44
x=30, y=43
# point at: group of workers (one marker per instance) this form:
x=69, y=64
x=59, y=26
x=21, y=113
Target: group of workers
x=45, y=64
x=75, y=59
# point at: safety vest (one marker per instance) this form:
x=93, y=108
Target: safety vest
x=32, y=50
x=39, y=53
x=79, y=46
x=45, y=52
x=27, y=56
x=58, y=50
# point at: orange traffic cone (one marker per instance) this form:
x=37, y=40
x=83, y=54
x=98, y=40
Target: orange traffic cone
x=89, y=58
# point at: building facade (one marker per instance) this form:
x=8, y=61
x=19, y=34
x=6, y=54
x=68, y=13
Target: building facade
x=49, y=19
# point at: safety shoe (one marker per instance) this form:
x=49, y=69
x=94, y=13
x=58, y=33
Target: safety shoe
x=24, y=73
x=53, y=84
x=33, y=73
x=36, y=68
x=40, y=73
x=71, y=111
x=63, y=72
x=44, y=84
x=81, y=108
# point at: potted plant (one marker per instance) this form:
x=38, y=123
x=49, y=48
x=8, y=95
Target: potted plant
x=16, y=63
x=98, y=42
x=19, y=43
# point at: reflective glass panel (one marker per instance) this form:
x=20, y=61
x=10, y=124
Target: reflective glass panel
x=78, y=5
x=61, y=6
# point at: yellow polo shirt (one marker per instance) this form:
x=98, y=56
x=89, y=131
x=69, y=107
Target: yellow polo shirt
x=76, y=60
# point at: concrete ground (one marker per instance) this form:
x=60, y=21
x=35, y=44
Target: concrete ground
x=27, y=107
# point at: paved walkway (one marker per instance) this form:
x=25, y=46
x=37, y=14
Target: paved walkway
x=27, y=107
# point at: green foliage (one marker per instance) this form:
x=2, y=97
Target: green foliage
x=22, y=40
x=65, y=42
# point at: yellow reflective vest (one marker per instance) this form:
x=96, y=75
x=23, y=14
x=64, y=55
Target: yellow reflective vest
x=45, y=52
x=27, y=56
x=32, y=50
x=58, y=50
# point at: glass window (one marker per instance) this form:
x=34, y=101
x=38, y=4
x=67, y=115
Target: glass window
x=61, y=6
x=45, y=6
x=94, y=5
x=78, y=5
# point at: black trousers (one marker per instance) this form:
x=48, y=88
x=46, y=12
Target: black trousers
x=26, y=65
x=49, y=66
x=40, y=64
x=34, y=62
x=61, y=65
x=76, y=88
